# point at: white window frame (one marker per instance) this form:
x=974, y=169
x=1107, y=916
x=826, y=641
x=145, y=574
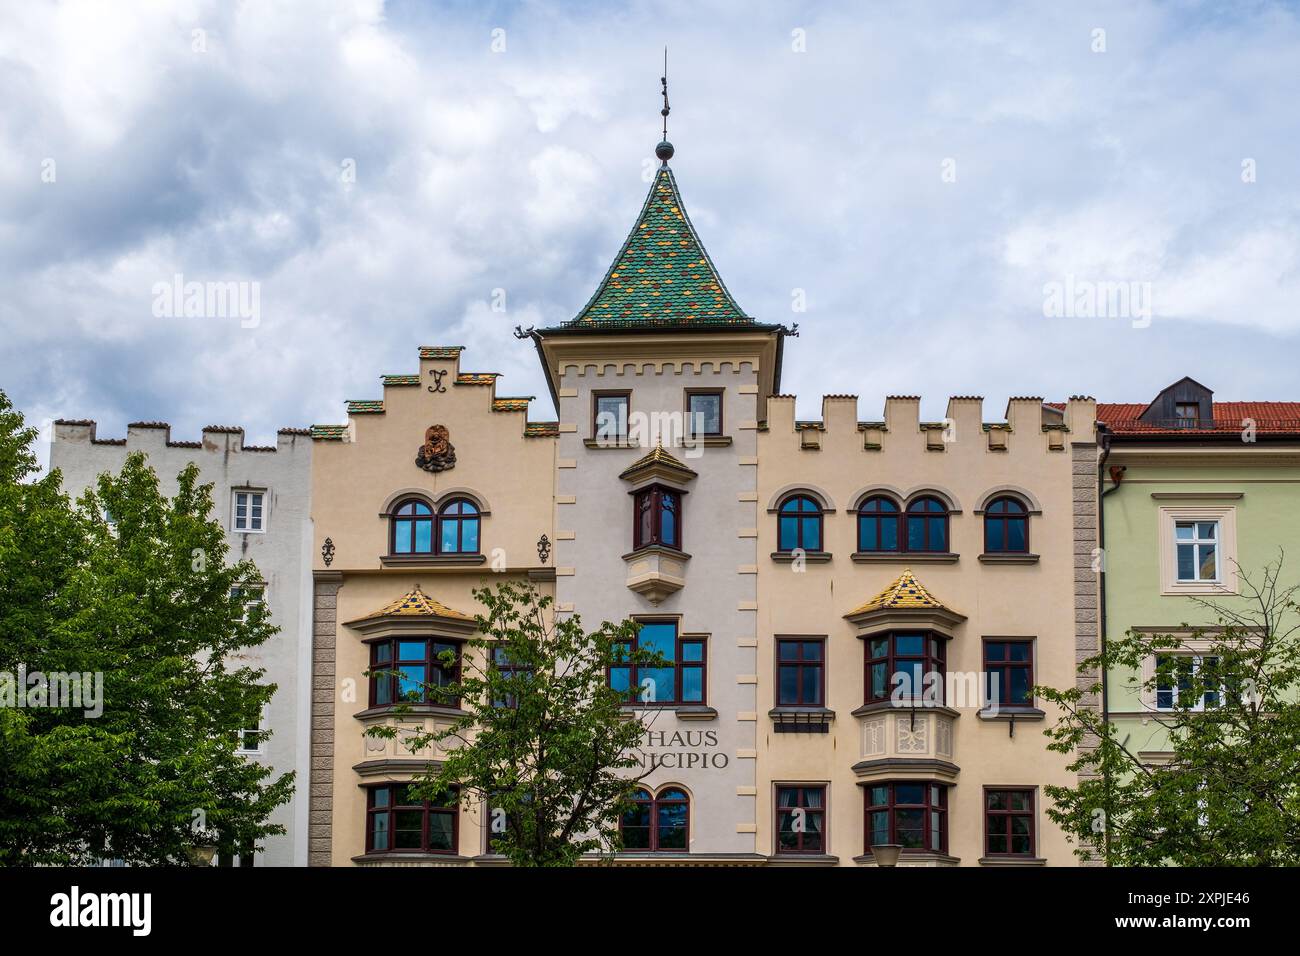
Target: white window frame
x=1225, y=550
x=1196, y=543
x=261, y=726
x=261, y=494
x=245, y=590
x=1196, y=651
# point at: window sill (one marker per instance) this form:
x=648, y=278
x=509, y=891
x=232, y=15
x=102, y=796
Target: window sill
x=922, y=857
x=601, y=444
x=801, y=720
x=809, y=557
x=708, y=441
x=905, y=557
x=1008, y=558
x=802, y=859
x=657, y=549
x=409, y=856
x=431, y=560
x=415, y=710
x=683, y=711
x=1012, y=861
x=1012, y=713
x=888, y=706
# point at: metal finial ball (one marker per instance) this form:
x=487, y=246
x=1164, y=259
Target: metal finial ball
x=664, y=151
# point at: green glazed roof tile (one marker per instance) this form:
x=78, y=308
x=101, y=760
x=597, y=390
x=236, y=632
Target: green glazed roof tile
x=329, y=432
x=662, y=276
x=440, y=351
x=367, y=407
x=400, y=379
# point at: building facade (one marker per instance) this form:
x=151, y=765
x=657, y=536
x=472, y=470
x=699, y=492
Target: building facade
x=437, y=489
x=262, y=498
x=855, y=613
x=1195, y=494
x=894, y=549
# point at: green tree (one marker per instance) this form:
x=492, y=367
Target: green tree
x=145, y=601
x=545, y=745
x=1229, y=794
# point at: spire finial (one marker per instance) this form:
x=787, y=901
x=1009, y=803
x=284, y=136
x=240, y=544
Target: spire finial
x=665, y=149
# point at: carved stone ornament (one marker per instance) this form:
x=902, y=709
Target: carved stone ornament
x=437, y=452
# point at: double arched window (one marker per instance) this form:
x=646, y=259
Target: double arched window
x=922, y=527
x=1006, y=527
x=799, y=524
x=416, y=529
x=661, y=822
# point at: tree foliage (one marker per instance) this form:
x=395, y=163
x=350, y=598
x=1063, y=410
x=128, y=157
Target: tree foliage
x=145, y=601
x=543, y=743
x=1228, y=793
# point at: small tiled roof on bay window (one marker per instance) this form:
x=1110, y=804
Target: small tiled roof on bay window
x=416, y=604
x=906, y=593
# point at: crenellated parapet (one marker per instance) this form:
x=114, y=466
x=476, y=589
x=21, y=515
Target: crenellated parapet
x=1029, y=425
x=151, y=436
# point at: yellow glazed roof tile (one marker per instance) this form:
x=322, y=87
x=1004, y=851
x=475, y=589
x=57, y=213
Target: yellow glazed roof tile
x=906, y=592
x=417, y=604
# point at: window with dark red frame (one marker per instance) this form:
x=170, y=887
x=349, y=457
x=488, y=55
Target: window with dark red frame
x=927, y=525
x=681, y=680
x=404, y=671
x=1009, y=666
x=879, y=521
x=800, y=672
x=799, y=524
x=1008, y=822
x=657, y=517
x=913, y=815
x=1006, y=527
x=659, y=823
x=397, y=822
x=414, y=528
x=800, y=820
x=907, y=657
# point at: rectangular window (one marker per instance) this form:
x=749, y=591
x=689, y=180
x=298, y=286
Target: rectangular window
x=609, y=416
x=800, y=672
x=1187, y=414
x=1197, y=550
x=683, y=676
x=1180, y=676
x=912, y=814
x=512, y=671
x=409, y=671
x=396, y=821
x=1009, y=672
x=1009, y=823
x=800, y=820
x=251, y=596
x=909, y=665
x=250, y=738
x=248, y=511
x=703, y=413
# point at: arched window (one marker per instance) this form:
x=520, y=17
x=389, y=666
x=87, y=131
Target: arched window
x=927, y=525
x=799, y=524
x=412, y=525
x=878, y=521
x=1006, y=527
x=657, y=823
x=458, y=527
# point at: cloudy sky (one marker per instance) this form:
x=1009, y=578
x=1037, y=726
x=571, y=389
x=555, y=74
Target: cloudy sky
x=919, y=175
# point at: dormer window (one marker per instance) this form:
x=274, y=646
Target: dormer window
x=1188, y=414
x=658, y=517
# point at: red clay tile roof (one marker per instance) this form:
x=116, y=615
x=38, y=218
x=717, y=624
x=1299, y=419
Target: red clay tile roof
x=1275, y=418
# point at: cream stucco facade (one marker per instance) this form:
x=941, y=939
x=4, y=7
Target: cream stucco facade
x=1045, y=598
